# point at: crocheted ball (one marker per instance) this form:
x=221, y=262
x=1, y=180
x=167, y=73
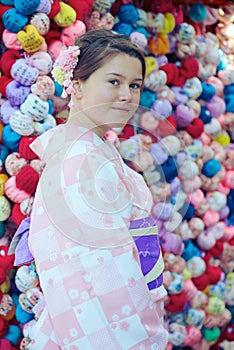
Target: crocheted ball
x=45, y=6
x=187, y=211
x=211, y=167
x=8, y=58
x=211, y=335
x=14, y=334
x=10, y=138
x=196, y=128
x=197, y=12
x=147, y=98
x=16, y=214
x=5, y=344
x=169, y=169
x=176, y=302
x=24, y=149
x=27, y=179
x=26, y=7
x=4, y=327
x=14, y=21
x=23, y=73
x=4, y=82
x=10, y=40
x=189, y=68
x=208, y=91
x=123, y=28
x=16, y=93
x=190, y=250
x=128, y=14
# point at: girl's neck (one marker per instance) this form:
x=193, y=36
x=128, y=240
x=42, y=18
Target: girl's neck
x=80, y=119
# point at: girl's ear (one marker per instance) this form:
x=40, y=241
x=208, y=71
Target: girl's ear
x=78, y=89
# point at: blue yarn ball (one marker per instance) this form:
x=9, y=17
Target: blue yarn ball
x=8, y=2
x=13, y=335
x=142, y=30
x=14, y=289
x=13, y=20
x=198, y=12
x=10, y=138
x=147, y=98
x=230, y=220
x=211, y=167
x=3, y=153
x=169, y=169
x=2, y=229
x=190, y=250
x=15, y=298
x=27, y=7
x=51, y=106
x=208, y=91
x=128, y=14
x=223, y=61
x=229, y=89
x=123, y=28
x=22, y=316
x=187, y=211
x=58, y=89
x=229, y=100
x=230, y=201
x=205, y=115
x=231, y=309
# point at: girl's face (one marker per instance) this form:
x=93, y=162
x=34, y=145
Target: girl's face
x=110, y=96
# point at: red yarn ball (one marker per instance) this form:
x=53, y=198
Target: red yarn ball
x=8, y=59
x=82, y=8
x=177, y=302
x=201, y=282
x=213, y=273
x=3, y=275
x=17, y=215
x=27, y=179
x=24, y=149
x=189, y=68
x=4, y=81
x=4, y=326
x=196, y=128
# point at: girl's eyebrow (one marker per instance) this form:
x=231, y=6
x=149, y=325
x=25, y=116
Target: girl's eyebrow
x=122, y=76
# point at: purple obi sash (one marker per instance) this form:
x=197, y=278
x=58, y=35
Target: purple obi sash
x=145, y=234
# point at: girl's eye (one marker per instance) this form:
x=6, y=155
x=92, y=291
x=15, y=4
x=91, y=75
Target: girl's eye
x=135, y=86
x=114, y=82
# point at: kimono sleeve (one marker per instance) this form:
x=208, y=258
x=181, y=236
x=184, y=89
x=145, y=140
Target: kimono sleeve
x=93, y=196
x=41, y=143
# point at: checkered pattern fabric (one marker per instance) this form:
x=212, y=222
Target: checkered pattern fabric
x=96, y=294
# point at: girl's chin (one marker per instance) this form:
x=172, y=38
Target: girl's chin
x=116, y=125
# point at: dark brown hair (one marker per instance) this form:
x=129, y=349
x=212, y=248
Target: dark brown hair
x=98, y=45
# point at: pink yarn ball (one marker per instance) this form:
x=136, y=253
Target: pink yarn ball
x=228, y=233
x=210, y=217
x=196, y=198
x=205, y=139
x=13, y=193
x=193, y=336
x=218, y=84
x=190, y=289
x=228, y=180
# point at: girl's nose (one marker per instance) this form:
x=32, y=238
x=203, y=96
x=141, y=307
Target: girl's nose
x=125, y=93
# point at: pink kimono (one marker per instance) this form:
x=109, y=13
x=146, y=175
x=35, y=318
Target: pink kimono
x=95, y=292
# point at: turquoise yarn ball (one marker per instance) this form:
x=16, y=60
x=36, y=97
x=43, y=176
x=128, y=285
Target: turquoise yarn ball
x=13, y=335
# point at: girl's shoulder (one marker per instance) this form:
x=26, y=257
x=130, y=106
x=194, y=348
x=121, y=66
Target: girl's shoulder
x=61, y=137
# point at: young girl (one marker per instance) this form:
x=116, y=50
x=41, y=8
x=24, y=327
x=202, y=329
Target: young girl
x=90, y=272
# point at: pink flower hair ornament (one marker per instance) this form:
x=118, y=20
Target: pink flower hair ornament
x=64, y=66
